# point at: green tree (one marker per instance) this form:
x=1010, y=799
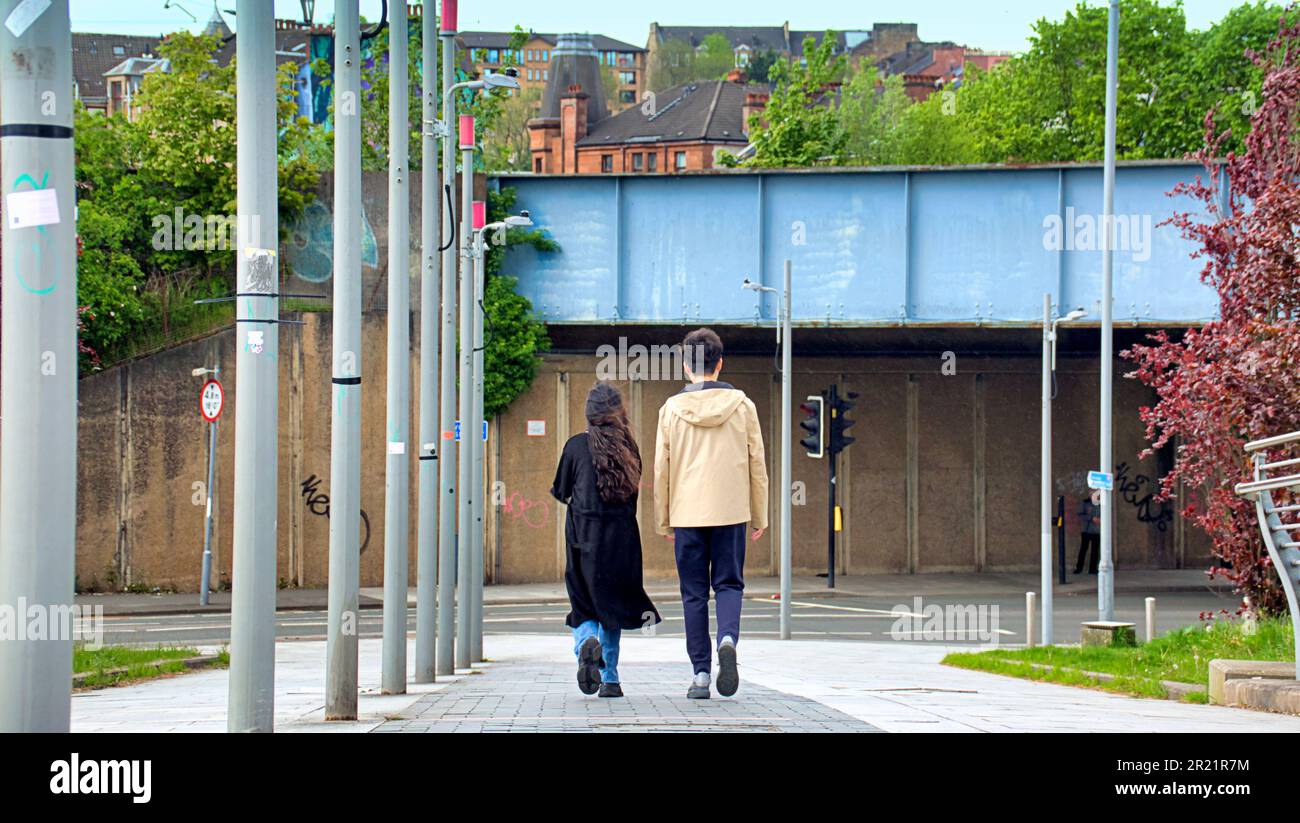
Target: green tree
x=714, y=58
x=870, y=116
x=760, y=66
x=673, y=64
x=802, y=126
x=514, y=336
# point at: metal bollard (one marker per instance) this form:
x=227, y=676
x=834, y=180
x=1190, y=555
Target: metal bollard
x=1151, y=619
x=1030, y=608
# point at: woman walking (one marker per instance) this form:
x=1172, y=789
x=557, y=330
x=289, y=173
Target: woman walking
x=598, y=478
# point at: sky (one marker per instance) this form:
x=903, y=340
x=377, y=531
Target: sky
x=999, y=25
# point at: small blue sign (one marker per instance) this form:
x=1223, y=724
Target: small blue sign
x=485, y=430
x=1101, y=480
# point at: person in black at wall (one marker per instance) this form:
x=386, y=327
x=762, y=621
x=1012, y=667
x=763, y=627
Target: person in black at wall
x=598, y=478
x=1090, y=515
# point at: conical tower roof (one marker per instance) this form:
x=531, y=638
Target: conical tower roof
x=573, y=63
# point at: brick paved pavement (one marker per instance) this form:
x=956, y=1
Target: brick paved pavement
x=544, y=697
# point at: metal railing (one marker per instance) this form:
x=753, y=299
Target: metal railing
x=1283, y=547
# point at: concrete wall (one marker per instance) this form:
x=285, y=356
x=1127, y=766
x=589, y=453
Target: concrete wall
x=943, y=476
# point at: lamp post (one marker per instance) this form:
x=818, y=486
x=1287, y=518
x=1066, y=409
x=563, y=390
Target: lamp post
x=1106, y=567
x=783, y=341
x=1045, y=521
x=455, y=546
x=473, y=432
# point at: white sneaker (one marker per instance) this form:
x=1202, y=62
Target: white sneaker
x=699, y=689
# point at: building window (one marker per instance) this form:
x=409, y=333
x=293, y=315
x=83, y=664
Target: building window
x=627, y=78
x=119, y=50
x=679, y=160
x=652, y=162
x=537, y=165
x=546, y=74
x=493, y=56
x=606, y=163
x=742, y=58
x=638, y=161
x=627, y=96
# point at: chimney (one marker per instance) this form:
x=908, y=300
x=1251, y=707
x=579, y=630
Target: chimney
x=737, y=76
x=755, y=103
x=573, y=127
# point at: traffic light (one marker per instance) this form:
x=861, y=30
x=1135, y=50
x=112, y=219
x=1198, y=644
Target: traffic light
x=813, y=411
x=840, y=422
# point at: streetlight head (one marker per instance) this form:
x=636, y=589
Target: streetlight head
x=1076, y=314
x=521, y=219
x=199, y=372
x=501, y=80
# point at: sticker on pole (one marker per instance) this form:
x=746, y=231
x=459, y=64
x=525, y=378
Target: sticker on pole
x=1101, y=480
x=211, y=398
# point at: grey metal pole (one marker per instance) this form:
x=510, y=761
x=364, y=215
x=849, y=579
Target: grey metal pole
x=397, y=525
x=205, y=576
x=38, y=469
x=1106, y=567
x=465, y=457
x=787, y=452
x=1045, y=474
x=447, y=474
x=477, y=444
x=257, y=375
x=426, y=594
x=345, y=434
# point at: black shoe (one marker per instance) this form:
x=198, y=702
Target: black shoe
x=728, y=677
x=611, y=690
x=1078, y=571
x=590, y=660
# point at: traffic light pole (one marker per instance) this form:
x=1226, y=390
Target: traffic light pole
x=787, y=454
x=832, y=400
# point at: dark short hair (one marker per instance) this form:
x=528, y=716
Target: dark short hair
x=702, y=347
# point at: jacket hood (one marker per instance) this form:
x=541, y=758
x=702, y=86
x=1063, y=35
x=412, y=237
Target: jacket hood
x=706, y=407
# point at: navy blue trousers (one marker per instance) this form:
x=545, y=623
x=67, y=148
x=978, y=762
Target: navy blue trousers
x=710, y=556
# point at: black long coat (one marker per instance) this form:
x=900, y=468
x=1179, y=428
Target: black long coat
x=603, y=568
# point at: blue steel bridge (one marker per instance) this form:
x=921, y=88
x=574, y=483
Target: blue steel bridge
x=889, y=247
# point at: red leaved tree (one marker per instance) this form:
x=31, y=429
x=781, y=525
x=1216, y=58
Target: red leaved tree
x=1237, y=378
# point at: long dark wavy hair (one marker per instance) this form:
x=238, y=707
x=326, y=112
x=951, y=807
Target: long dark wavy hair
x=613, y=451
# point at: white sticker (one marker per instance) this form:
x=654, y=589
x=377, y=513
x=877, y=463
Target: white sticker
x=256, y=340
x=536, y=428
x=260, y=275
x=396, y=448
x=24, y=14
x=29, y=208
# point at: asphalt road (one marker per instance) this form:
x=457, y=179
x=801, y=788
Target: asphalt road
x=864, y=619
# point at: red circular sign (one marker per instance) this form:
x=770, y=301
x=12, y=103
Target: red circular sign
x=211, y=398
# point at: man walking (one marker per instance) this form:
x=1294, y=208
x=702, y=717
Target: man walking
x=710, y=483
x=1090, y=537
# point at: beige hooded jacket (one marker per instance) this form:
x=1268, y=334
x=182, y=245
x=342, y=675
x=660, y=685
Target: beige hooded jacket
x=709, y=464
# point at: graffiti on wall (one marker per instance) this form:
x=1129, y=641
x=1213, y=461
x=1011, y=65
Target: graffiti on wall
x=1135, y=489
x=318, y=503
x=309, y=250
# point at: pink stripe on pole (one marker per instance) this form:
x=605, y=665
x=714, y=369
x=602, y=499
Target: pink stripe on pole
x=466, y=131
x=480, y=214
x=448, y=15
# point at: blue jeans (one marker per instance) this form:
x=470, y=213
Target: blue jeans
x=608, y=646
x=710, y=556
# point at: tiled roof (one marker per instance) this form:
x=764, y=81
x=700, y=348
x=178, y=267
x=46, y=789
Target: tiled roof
x=770, y=38
x=501, y=40
x=95, y=54
x=703, y=110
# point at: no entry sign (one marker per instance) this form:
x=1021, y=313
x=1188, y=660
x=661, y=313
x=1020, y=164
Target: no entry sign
x=211, y=399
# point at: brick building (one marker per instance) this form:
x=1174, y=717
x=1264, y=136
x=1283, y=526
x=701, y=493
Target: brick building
x=680, y=129
x=490, y=51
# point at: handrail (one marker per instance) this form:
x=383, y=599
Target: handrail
x=1270, y=442
x=1268, y=484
